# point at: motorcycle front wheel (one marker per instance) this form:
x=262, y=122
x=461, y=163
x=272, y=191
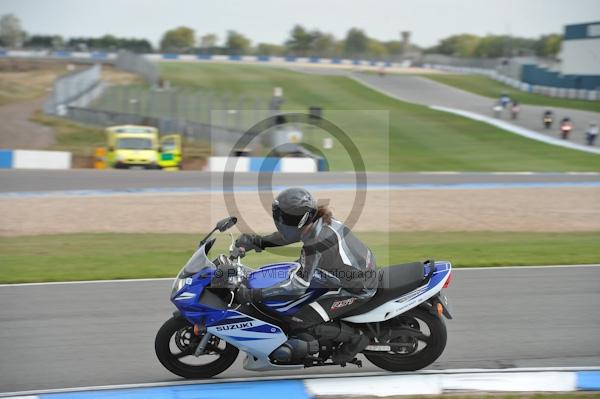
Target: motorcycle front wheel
x=414, y=351
x=175, y=344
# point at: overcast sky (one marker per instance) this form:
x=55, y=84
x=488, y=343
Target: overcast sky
x=271, y=20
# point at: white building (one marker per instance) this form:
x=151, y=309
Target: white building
x=580, y=52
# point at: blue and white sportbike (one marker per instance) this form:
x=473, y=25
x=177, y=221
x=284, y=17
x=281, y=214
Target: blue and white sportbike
x=404, y=320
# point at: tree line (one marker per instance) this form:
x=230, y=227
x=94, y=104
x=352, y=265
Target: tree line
x=301, y=42
x=494, y=46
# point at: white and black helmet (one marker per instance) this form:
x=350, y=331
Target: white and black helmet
x=293, y=209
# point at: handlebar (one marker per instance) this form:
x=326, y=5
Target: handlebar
x=237, y=253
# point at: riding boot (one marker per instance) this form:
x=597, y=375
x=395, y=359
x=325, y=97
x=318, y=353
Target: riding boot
x=353, y=340
x=348, y=350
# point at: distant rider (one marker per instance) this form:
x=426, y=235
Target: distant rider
x=565, y=128
x=548, y=118
x=515, y=108
x=329, y=248
x=592, y=133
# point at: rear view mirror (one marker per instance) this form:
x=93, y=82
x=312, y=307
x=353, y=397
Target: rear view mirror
x=226, y=223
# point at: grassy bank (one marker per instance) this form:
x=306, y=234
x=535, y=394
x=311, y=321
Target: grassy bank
x=77, y=138
x=420, y=139
x=487, y=87
x=117, y=256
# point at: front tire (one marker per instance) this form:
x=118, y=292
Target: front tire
x=176, y=335
x=435, y=342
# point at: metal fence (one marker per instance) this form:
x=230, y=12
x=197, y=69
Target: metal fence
x=230, y=111
x=189, y=129
x=138, y=64
x=79, y=87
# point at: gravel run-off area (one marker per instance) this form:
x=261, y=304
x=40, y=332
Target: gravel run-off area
x=510, y=209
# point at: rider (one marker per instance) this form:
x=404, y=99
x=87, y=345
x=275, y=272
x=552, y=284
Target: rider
x=329, y=248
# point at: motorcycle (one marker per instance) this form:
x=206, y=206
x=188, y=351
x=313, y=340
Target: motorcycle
x=565, y=130
x=548, y=122
x=404, y=320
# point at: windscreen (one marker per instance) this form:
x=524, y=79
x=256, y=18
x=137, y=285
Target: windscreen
x=197, y=262
x=131, y=143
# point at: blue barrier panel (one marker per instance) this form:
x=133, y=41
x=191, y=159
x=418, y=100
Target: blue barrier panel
x=269, y=164
x=536, y=75
x=336, y=61
x=290, y=58
x=388, y=64
x=170, y=56
x=235, y=57
x=99, y=55
x=204, y=56
x=246, y=390
x=3, y=53
x=588, y=380
x=372, y=63
x=65, y=54
x=322, y=165
x=314, y=60
x=6, y=157
x=355, y=62
x=264, y=58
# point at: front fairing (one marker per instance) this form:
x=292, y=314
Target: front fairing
x=198, y=263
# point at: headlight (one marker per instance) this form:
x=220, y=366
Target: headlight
x=120, y=157
x=178, y=284
x=152, y=157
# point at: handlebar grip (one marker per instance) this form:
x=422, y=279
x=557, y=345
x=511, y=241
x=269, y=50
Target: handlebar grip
x=237, y=252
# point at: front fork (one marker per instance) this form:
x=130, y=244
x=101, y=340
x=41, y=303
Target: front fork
x=202, y=345
x=203, y=341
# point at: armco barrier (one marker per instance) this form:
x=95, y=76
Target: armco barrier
x=111, y=57
x=421, y=383
x=33, y=159
x=259, y=164
x=561, y=92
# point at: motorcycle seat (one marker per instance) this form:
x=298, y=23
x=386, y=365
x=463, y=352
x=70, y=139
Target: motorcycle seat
x=393, y=282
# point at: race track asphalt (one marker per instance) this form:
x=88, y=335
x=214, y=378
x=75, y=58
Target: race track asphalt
x=420, y=90
x=72, y=335
x=88, y=179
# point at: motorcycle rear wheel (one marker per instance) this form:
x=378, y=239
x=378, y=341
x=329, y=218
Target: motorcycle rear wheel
x=435, y=343
x=177, y=333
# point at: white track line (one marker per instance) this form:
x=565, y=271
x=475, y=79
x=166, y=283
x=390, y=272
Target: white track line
x=293, y=377
x=523, y=267
x=140, y=280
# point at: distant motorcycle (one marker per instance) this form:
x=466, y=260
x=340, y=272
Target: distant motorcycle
x=565, y=128
x=404, y=320
x=548, y=120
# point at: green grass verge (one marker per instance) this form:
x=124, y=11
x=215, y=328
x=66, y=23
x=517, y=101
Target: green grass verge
x=420, y=139
x=118, y=256
x=487, y=87
x=77, y=138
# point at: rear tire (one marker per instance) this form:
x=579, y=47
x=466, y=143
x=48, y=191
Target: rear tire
x=420, y=358
x=179, y=326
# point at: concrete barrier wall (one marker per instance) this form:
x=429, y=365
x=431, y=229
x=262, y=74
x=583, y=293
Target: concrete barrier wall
x=259, y=164
x=33, y=159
